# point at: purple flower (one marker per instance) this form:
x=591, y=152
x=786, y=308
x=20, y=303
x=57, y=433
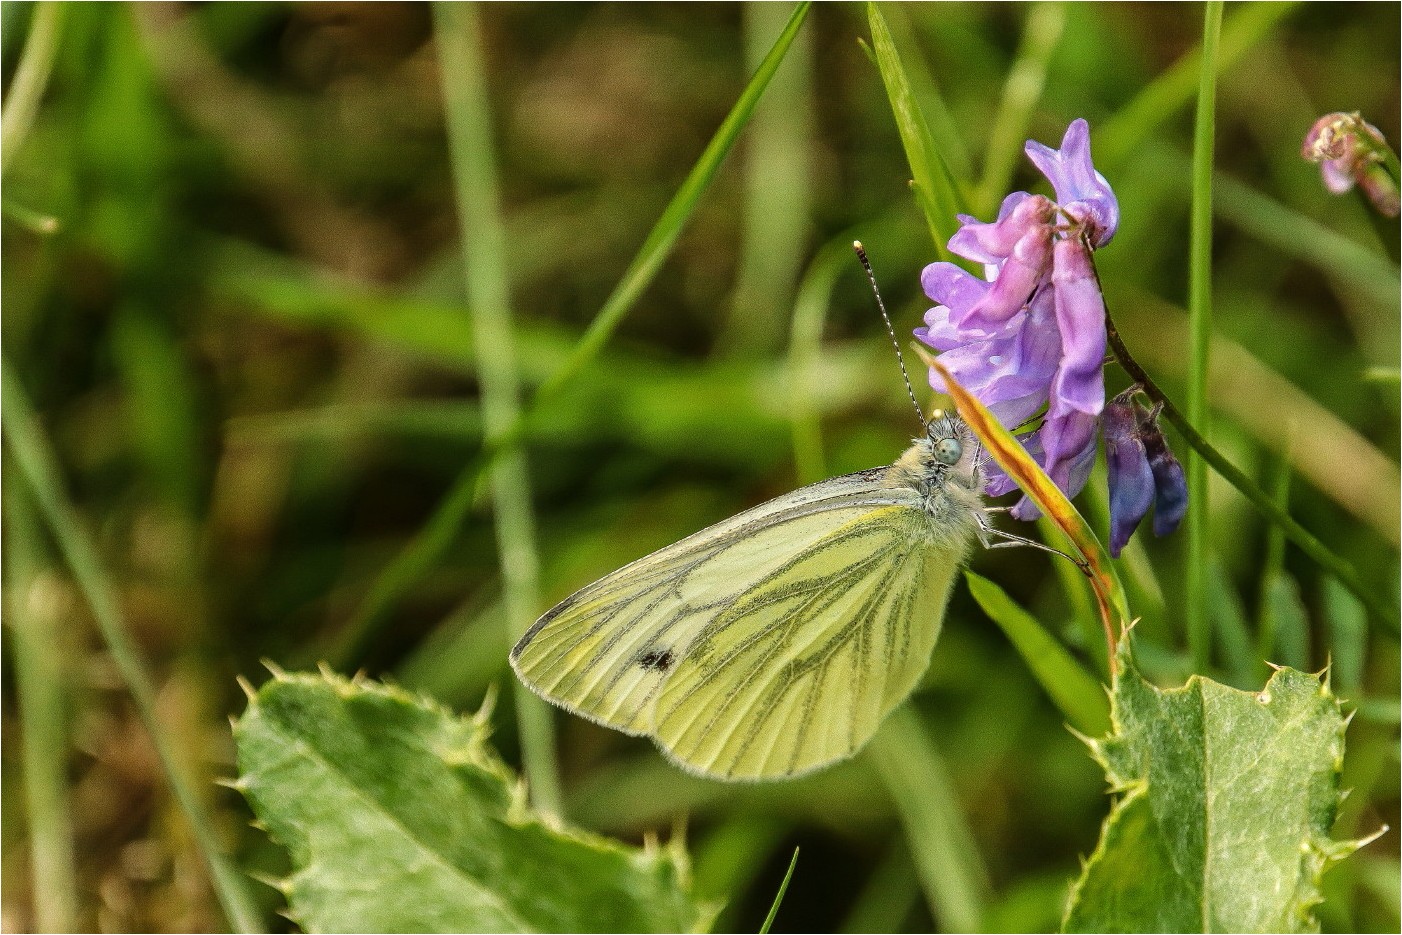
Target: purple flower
x=1142, y=471
x=1170, y=486
x=1032, y=332
x=1351, y=152
x=1081, y=192
x=1131, y=478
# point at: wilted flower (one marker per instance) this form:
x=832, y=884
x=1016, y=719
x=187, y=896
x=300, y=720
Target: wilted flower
x=1351, y=152
x=1142, y=471
x=1032, y=332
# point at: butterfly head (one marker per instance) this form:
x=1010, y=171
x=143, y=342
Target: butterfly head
x=953, y=450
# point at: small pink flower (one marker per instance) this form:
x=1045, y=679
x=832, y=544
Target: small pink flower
x=1351, y=152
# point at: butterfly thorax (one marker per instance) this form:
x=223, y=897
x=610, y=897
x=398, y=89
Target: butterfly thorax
x=950, y=492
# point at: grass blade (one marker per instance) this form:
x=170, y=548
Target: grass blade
x=1021, y=91
x=1232, y=634
x=30, y=79
x=1291, y=622
x=441, y=529
x=40, y=473
x=458, y=33
x=946, y=858
x=1348, y=638
x=1272, y=565
x=937, y=191
x=1195, y=596
x=40, y=684
x=805, y=349
x=777, y=223
x=779, y=896
x=1078, y=696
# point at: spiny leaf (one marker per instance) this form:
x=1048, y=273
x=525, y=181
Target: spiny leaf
x=398, y=817
x=1225, y=802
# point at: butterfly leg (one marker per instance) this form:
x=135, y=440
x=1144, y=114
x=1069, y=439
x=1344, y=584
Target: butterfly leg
x=987, y=534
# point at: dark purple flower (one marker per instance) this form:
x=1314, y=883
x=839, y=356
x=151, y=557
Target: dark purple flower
x=1351, y=151
x=1131, y=479
x=1170, y=486
x=1142, y=471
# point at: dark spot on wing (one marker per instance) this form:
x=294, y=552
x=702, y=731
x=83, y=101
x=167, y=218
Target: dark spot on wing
x=656, y=660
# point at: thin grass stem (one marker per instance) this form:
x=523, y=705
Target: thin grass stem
x=776, y=223
x=40, y=686
x=40, y=473
x=1198, y=621
x=458, y=33
x=805, y=349
x=779, y=896
x=944, y=850
x=1021, y=92
x=1273, y=565
x=31, y=78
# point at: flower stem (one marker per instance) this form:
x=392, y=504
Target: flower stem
x=1269, y=506
x=1200, y=331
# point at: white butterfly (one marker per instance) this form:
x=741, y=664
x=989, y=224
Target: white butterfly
x=775, y=642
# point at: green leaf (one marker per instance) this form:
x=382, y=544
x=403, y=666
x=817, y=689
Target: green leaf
x=935, y=188
x=1225, y=800
x=779, y=896
x=399, y=817
x=1078, y=695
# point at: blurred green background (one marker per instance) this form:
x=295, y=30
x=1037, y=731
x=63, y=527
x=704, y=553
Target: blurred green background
x=234, y=293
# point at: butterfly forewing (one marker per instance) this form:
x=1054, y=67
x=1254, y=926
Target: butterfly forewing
x=605, y=651
x=767, y=645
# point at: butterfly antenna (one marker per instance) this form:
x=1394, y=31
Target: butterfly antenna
x=871, y=278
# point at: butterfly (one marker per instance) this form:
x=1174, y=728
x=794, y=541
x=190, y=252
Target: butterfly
x=775, y=642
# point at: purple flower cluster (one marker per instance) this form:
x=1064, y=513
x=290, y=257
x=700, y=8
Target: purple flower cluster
x=1031, y=333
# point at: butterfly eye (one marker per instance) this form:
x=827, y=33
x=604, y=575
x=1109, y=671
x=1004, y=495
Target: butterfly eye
x=948, y=451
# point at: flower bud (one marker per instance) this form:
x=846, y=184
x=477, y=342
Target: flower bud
x=1351, y=152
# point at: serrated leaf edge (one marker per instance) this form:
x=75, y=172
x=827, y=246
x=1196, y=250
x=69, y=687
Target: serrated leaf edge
x=1324, y=852
x=518, y=813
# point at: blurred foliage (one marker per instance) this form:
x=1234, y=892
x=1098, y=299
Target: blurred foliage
x=233, y=291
